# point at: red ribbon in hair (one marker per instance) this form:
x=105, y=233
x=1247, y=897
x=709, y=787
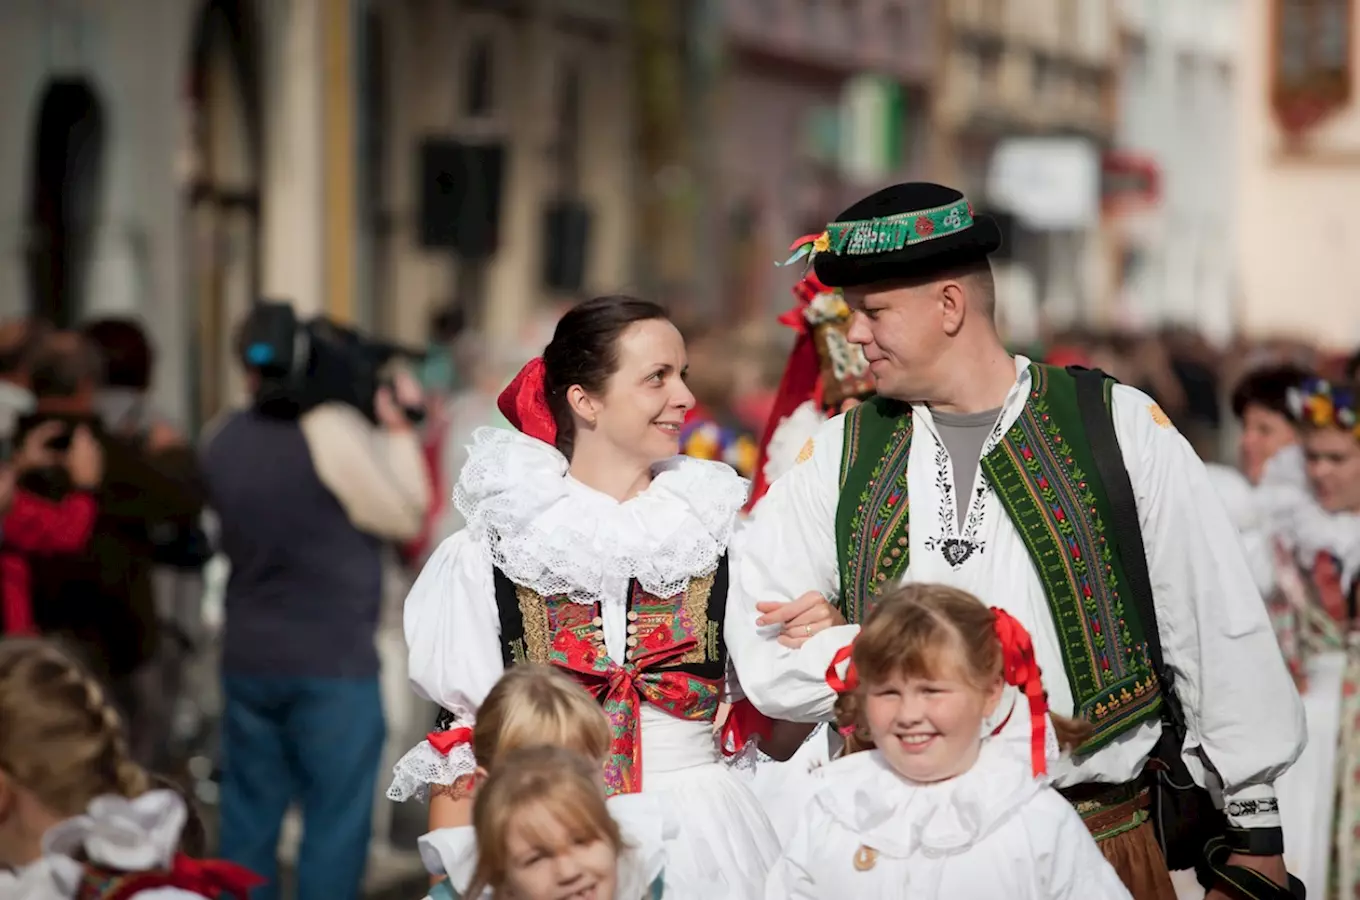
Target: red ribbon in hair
x=445, y=741
x=802, y=380
x=1019, y=668
x=214, y=877
x=524, y=402
x=833, y=678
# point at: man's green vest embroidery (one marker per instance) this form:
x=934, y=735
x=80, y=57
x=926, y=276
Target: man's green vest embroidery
x=1044, y=475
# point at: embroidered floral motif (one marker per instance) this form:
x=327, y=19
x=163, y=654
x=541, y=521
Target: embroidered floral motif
x=663, y=633
x=806, y=453
x=1048, y=496
x=958, y=547
x=878, y=544
x=1159, y=416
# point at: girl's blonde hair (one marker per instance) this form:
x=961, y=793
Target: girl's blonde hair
x=60, y=738
x=552, y=781
x=532, y=705
x=927, y=631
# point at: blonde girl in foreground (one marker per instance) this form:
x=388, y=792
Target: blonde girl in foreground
x=932, y=807
x=546, y=832
x=533, y=706
x=79, y=819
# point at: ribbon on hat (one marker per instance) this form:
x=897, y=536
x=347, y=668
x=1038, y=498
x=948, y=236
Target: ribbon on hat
x=445, y=741
x=214, y=877
x=524, y=403
x=1019, y=668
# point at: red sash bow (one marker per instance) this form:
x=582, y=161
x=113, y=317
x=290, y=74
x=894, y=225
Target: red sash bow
x=620, y=689
x=445, y=741
x=214, y=877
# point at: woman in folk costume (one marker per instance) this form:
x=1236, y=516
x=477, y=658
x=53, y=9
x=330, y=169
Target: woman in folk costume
x=976, y=469
x=825, y=374
x=591, y=546
x=79, y=820
x=1322, y=539
x=939, y=805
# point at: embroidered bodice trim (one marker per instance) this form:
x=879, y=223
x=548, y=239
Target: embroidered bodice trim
x=675, y=659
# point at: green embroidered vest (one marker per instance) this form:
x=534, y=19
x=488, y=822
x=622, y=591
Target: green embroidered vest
x=1045, y=477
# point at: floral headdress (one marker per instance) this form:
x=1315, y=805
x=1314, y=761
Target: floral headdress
x=1322, y=404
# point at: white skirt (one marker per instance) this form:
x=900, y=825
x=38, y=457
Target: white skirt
x=723, y=844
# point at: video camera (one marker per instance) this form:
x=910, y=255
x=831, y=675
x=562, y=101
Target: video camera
x=305, y=364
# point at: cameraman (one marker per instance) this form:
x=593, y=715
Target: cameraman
x=306, y=504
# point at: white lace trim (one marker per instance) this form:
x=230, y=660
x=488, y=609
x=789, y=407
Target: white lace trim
x=551, y=534
x=789, y=439
x=423, y=766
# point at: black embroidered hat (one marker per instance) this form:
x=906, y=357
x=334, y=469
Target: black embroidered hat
x=905, y=231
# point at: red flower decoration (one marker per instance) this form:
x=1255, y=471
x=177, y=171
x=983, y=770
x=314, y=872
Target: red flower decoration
x=656, y=638
x=924, y=227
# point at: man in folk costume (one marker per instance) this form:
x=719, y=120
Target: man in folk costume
x=974, y=468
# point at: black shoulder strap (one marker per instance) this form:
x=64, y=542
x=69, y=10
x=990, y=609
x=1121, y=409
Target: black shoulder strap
x=1096, y=418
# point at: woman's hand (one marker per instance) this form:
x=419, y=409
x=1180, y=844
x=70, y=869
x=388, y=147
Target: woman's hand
x=801, y=618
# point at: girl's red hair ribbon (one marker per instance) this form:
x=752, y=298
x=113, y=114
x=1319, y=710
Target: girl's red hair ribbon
x=445, y=741
x=524, y=403
x=1019, y=668
x=833, y=678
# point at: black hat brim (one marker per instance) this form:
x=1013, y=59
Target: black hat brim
x=915, y=261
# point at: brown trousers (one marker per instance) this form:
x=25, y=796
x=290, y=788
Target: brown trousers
x=1140, y=864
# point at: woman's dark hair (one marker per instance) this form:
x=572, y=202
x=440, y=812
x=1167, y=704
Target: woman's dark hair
x=1267, y=387
x=128, y=358
x=584, y=350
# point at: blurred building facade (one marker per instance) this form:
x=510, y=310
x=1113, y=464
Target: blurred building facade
x=177, y=159
x=817, y=104
x=1170, y=195
x=1298, y=179
x=1024, y=114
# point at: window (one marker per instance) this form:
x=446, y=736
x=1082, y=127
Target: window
x=479, y=96
x=568, y=137
x=1312, y=44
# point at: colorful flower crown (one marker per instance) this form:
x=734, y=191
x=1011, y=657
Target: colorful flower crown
x=1321, y=404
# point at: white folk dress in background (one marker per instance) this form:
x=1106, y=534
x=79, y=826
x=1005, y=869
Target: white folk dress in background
x=553, y=535
x=993, y=832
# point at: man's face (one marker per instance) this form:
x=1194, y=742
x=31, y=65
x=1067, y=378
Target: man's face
x=904, y=331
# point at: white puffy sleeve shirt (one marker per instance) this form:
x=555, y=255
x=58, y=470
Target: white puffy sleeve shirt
x=1243, y=712
x=992, y=832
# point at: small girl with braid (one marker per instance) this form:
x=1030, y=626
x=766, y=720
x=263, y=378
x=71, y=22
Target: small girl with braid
x=79, y=820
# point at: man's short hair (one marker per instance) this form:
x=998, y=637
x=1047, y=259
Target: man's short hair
x=65, y=363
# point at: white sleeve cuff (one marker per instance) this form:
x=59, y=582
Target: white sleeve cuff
x=1253, y=806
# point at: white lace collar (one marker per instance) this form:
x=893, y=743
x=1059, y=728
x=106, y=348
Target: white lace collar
x=899, y=818
x=129, y=835
x=553, y=535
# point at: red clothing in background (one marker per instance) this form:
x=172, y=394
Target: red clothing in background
x=35, y=526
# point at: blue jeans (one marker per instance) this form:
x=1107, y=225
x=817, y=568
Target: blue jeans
x=318, y=741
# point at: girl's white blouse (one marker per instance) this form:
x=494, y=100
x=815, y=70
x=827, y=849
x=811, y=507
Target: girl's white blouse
x=994, y=831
